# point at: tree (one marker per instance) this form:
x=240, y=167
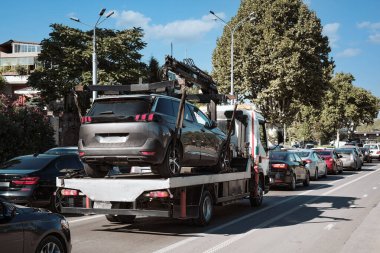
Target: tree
x=66, y=57
x=281, y=60
x=153, y=70
x=24, y=130
x=347, y=106
x=2, y=82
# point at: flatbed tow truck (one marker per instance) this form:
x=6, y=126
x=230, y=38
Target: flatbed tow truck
x=190, y=195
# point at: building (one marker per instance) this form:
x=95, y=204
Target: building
x=17, y=60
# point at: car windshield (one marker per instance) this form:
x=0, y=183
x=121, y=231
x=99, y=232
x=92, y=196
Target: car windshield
x=26, y=163
x=324, y=152
x=344, y=151
x=119, y=107
x=303, y=154
x=278, y=156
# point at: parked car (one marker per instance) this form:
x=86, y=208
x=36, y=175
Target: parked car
x=62, y=150
x=332, y=160
x=366, y=153
x=287, y=168
x=314, y=163
x=31, y=179
x=358, y=153
x=350, y=158
x=31, y=230
x=374, y=150
x=138, y=130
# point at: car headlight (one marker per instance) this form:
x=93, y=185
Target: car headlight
x=65, y=224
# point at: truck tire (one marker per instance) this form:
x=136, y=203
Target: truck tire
x=171, y=166
x=126, y=219
x=95, y=171
x=111, y=218
x=206, y=209
x=257, y=199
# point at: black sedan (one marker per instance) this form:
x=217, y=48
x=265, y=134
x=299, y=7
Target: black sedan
x=26, y=229
x=287, y=168
x=31, y=179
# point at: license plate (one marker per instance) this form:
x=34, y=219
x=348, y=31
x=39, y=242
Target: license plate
x=102, y=205
x=4, y=184
x=111, y=139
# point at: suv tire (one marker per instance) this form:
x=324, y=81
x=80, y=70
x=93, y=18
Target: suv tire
x=171, y=166
x=95, y=171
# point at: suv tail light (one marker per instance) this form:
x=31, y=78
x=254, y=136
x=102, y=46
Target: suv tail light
x=308, y=161
x=149, y=117
x=280, y=166
x=26, y=181
x=85, y=119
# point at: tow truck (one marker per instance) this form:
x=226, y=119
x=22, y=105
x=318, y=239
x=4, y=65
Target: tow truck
x=190, y=195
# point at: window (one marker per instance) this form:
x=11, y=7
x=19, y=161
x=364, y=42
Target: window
x=291, y=158
x=200, y=117
x=164, y=106
x=263, y=134
x=120, y=107
x=298, y=159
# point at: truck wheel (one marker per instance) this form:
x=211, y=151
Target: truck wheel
x=111, y=218
x=126, y=219
x=257, y=199
x=95, y=171
x=171, y=165
x=206, y=209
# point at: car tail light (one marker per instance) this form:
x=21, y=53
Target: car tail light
x=331, y=160
x=81, y=153
x=148, y=153
x=378, y=152
x=146, y=117
x=85, y=119
x=26, y=181
x=280, y=166
x=308, y=161
x=69, y=192
x=158, y=194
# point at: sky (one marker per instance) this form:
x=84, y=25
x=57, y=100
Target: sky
x=353, y=28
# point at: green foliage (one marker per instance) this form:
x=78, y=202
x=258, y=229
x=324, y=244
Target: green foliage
x=67, y=59
x=24, y=130
x=153, y=71
x=281, y=60
x=370, y=127
x=21, y=70
x=2, y=83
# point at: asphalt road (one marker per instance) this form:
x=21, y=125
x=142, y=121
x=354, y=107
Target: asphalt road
x=336, y=214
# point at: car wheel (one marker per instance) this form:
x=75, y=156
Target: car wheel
x=325, y=175
x=95, y=171
x=171, y=165
x=341, y=170
x=356, y=166
x=316, y=174
x=206, y=209
x=292, y=185
x=306, y=182
x=50, y=244
x=111, y=218
x=222, y=161
x=126, y=219
x=257, y=199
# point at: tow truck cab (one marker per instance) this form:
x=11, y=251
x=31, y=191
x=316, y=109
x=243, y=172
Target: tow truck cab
x=249, y=136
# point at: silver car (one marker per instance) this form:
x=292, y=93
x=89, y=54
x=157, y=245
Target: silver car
x=350, y=158
x=374, y=150
x=314, y=163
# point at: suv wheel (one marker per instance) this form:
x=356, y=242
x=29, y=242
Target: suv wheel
x=171, y=165
x=95, y=171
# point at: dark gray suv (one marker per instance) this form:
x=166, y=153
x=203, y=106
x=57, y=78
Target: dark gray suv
x=138, y=130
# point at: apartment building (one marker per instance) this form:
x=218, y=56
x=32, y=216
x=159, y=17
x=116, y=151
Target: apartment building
x=17, y=60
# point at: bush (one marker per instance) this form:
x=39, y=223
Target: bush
x=23, y=130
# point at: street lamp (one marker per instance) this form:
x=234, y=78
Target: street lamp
x=232, y=31
x=94, y=60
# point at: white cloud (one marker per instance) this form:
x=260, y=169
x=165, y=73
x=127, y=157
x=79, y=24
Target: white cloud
x=188, y=29
x=374, y=30
x=349, y=52
x=331, y=31
x=307, y=2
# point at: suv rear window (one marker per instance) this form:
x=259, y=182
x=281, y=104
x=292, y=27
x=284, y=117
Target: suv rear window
x=119, y=107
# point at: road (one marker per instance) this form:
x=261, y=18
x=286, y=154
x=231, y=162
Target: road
x=337, y=214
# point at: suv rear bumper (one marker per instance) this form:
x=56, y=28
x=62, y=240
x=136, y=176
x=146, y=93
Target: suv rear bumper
x=125, y=155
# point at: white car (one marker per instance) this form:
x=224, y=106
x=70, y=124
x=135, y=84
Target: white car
x=374, y=150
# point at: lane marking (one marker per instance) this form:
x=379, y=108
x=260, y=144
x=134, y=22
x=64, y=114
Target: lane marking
x=365, y=195
x=264, y=224
x=329, y=227
x=352, y=206
x=374, y=188
x=86, y=218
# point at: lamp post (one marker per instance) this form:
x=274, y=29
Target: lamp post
x=232, y=31
x=94, y=60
